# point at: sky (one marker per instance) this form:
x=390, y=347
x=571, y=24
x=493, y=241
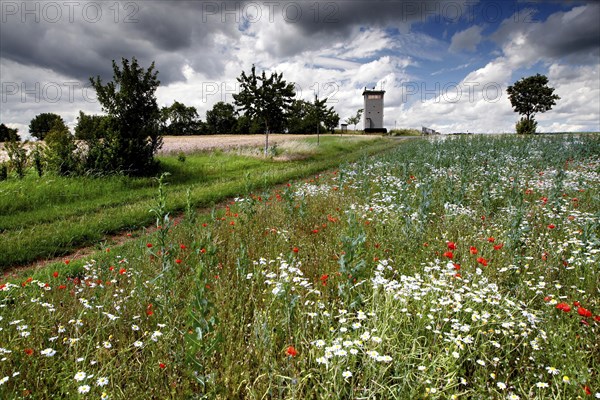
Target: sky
x=443, y=64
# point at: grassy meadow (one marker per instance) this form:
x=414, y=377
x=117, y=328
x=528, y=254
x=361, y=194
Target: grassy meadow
x=450, y=268
x=52, y=216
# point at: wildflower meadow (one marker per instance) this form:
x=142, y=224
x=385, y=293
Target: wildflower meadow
x=448, y=268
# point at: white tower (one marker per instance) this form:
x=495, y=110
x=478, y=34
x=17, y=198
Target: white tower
x=373, y=117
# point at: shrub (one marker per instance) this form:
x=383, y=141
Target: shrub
x=526, y=126
x=60, y=152
x=17, y=155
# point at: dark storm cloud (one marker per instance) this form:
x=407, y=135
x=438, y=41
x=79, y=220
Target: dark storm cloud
x=88, y=35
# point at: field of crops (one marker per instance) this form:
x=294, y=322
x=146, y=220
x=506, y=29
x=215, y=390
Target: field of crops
x=464, y=267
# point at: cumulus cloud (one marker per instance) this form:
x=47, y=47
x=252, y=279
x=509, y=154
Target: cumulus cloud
x=466, y=40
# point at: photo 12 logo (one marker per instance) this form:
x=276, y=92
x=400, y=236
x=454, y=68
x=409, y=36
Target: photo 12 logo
x=254, y=11
x=54, y=12
x=451, y=92
x=48, y=92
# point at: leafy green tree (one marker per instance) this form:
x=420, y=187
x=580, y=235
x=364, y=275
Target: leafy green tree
x=133, y=137
x=60, y=152
x=355, y=119
x=266, y=98
x=221, y=119
x=41, y=124
x=529, y=96
x=91, y=126
x=307, y=118
x=7, y=134
x=178, y=119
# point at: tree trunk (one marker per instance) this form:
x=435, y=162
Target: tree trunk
x=267, y=140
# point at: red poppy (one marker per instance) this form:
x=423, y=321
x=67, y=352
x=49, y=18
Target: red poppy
x=149, y=245
x=563, y=307
x=291, y=351
x=482, y=261
x=551, y=226
x=178, y=261
x=55, y=274
x=182, y=246
x=597, y=318
x=577, y=304
x=324, y=278
x=29, y=351
x=584, y=312
x=498, y=246
x=149, y=311
x=122, y=271
x=491, y=239
x=61, y=287
x=162, y=366
x=456, y=266
x=202, y=251
x=451, y=246
x=295, y=249
x=544, y=200
x=448, y=254
x=473, y=250
x=315, y=231
x=587, y=390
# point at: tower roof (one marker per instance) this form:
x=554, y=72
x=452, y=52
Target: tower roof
x=372, y=91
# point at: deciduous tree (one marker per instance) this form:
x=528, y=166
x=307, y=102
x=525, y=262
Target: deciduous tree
x=266, y=98
x=530, y=96
x=41, y=124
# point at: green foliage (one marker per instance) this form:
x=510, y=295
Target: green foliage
x=41, y=124
x=526, y=126
x=7, y=134
x=60, y=153
x=133, y=137
x=17, y=157
x=91, y=127
x=178, y=119
x=221, y=119
x=354, y=120
x=249, y=126
x=529, y=96
x=306, y=118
